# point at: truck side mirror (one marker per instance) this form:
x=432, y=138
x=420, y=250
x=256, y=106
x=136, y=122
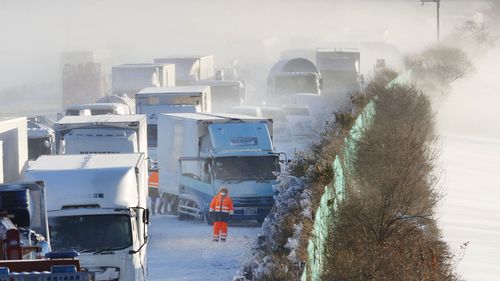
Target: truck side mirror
x=145, y=216
x=206, y=167
x=321, y=83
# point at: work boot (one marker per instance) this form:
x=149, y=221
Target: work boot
x=215, y=240
x=223, y=239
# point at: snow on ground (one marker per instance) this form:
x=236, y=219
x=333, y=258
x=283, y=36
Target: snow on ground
x=470, y=211
x=470, y=163
x=183, y=250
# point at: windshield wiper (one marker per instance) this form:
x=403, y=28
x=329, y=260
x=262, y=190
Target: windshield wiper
x=109, y=249
x=87, y=250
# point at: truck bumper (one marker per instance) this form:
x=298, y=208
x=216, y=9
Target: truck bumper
x=252, y=208
x=259, y=214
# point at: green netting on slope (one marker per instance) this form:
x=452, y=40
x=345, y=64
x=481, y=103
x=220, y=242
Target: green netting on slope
x=363, y=121
x=333, y=195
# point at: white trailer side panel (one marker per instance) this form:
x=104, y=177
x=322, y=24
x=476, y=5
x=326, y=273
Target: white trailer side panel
x=14, y=136
x=176, y=137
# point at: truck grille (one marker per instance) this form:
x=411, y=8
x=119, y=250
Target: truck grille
x=253, y=201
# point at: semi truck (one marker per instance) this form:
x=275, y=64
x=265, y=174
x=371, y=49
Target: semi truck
x=97, y=206
x=101, y=134
x=291, y=76
x=131, y=78
x=199, y=152
x=13, y=148
x=340, y=70
x=190, y=69
x=153, y=101
x=25, y=252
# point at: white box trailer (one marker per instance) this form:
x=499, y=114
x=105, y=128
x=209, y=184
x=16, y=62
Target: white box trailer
x=131, y=78
x=97, y=206
x=190, y=69
x=13, y=148
x=225, y=93
x=154, y=101
x=101, y=134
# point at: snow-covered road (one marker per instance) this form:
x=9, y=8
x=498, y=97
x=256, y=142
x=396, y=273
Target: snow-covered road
x=183, y=250
x=470, y=210
x=470, y=163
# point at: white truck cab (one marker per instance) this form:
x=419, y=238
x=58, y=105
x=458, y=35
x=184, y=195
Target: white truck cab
x=97, y=206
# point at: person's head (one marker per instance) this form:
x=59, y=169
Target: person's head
x=223, y=190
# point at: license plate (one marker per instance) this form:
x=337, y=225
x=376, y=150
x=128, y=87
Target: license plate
x=250, y=211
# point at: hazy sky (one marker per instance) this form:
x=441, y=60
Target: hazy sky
x=34, y=33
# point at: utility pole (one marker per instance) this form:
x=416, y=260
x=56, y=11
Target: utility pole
x=438, y=5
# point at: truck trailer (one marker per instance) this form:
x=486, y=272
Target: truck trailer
x=225, y=93
x=131, y=78
x=101, y=134
x=84, y=76
x=153, y=101
x=97, y=206
x=13, y=148
x=190, y=69
x=340, y=69
x=200, y=152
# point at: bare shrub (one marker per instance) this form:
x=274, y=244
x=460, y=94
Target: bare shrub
x=439, y=64
x=385, y=230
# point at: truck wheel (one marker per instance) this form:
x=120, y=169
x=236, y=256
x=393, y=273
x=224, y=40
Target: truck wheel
x=182, y=216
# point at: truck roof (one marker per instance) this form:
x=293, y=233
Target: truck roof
x=183, y=57
x=173, y=90
x=84, y=161
x=138, y=65
x=96, y=105
x=67, y=120
x=215, y=116
x=93, y=179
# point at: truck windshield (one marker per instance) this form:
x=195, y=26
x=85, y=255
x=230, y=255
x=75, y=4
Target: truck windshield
x=38, y=147
x=296, y=84
x=248, y=168
x=152, y=135
x=90, y=233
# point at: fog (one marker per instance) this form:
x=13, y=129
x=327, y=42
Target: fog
x=35, y=33
x=471, y=109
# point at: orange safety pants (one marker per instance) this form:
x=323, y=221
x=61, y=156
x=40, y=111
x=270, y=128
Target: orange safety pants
x=220, y=228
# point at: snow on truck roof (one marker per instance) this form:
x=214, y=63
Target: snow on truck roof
x=173, y=90
x=137, y=65
x=97, y=105
x=214, y=116
x=85, y=161
x=88, y=180
x=101, y=119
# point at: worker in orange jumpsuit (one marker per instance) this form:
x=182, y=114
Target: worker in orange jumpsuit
x=153, y=191
x=220, y=209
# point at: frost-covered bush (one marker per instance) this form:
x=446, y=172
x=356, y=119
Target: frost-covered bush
x=277, y=255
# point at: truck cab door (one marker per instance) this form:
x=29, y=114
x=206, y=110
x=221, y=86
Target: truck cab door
x=196, y=175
